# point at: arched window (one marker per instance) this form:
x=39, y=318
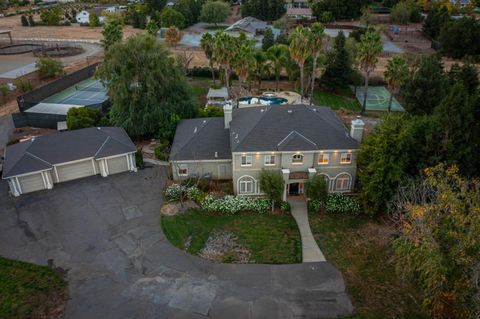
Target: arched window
x=246, y=185
x=297, y=159
x=342, y=182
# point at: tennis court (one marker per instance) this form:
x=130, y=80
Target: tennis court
x=377, y=99
x=84, y=93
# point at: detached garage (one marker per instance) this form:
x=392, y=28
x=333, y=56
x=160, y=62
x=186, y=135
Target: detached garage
x=39, y=163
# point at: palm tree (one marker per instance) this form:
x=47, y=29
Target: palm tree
x=396, y=74
x=261, y=66
x=207, y=45
x=224, y=47
x=277, y=55
x=299, y=49
x=244, y=61
x=316, y=38
x=369, y=49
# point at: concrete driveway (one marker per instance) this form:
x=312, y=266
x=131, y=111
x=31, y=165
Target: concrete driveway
x=106, y=233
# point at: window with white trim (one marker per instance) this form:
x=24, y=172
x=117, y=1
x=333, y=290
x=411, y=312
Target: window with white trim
x=246, y=160
x=323, y=159
x=269, y=160
x=246, y=185
x=297, y=159
x=346, y=158
x=342, y=182
x=183, y=171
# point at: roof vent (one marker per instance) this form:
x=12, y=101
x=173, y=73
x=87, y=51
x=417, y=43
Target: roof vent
x=314, y=110
x=195, y=130
x=290, y=111
x=262, y=110
x=204, y=121
x=98, y=128
x=216, y=154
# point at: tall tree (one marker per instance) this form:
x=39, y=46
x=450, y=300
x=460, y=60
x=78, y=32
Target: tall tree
x=146, y=98
x=112, y=33
x=277, y=55
x=467, y=74
x=224, y=47
x=244, y=62
x=460, y=38
x=206, y=42
x=396, y=74
x=369, y=49
x=214, y=12
x=268, y=39
x=272, y=184
x=171, y=17
x=261, y=66
x=299, y=49
x=338, y=71
x=426, y=86
x=267, y=10
x=316, y=38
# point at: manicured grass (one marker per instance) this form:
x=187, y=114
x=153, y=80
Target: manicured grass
x=341, y=98
x=362, y=250
x=271, y=239
x=29, y=291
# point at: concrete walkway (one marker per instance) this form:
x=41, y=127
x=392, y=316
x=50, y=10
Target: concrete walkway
x=310, y=250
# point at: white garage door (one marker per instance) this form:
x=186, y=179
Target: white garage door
x=117, y=165
x=31, y=183
x=76, y=170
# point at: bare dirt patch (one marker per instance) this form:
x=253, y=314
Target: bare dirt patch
x=222, y=246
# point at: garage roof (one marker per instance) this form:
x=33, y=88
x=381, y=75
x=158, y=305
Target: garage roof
x=43, y=152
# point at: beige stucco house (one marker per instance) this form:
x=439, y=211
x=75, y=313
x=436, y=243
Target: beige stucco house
x=298, y=141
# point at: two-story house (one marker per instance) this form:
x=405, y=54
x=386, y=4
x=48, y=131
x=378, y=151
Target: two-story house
x=298, y=141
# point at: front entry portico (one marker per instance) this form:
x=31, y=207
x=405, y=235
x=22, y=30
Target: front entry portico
x=295, y=181
x=295, y=188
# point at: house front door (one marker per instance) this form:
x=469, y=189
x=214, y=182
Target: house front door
x=294, y=189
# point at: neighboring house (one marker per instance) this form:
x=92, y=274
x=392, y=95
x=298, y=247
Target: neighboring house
x=298, y=141
x=39, y=163
x=84, y=15
x=460, y=3
x=217, y=97
x=299, y=9
x=249, y=25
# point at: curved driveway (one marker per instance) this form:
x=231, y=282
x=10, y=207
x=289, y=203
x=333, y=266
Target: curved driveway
x=106, y=233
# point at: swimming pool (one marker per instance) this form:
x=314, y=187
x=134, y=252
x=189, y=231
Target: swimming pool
x=263, y=100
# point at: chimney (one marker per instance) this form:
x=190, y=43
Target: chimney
x=227, y=113
x=356, y=131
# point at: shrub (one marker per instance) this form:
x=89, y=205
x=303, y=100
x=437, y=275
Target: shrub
x=342, y=204
x=193, y=193
x=82, y=117
x=316, y=188
x=4, y=90
x=48, y=67
x=232, y=205
x=24, y=21
x=285, y=207
x=31, y=22
x=174, y=191
x=159, y=154
x=24, y=85
x=203, y=184
x=139, y=158
x=314, y=206
x=93, y=20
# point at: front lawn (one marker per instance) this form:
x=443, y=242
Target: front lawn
x=30, y=291
x=342, y=98
x=362, y=250
x=271, y=239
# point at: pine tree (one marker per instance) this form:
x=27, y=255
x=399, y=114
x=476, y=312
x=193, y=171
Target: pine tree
x=339, y=70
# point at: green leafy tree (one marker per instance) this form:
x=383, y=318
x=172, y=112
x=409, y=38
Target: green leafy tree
x=396, y=74
x=351, y=9
x=316, y=38
x=277, y=55
x=171, y=17
x=152, y=28
x=426, y=85
x=93, y=20
x=439, y=246
x=51, y=16
x=155, y=5
x=400, y=13
x=272, y=184
x=206, y=43
x=299, y=49
x=49, y=68
x=459, y=38
x=261, y=67
x=266, y=10
x=112, y=33
x=146, y=98
x=435, y=21
x=82, y=117
x=467, y=74
x=338, y=70
x=316, y=188
x=214, y=12
x=190, y=9
x=268, y=39
x=369, y=49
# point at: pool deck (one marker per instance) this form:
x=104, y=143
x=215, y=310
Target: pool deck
x=291, y=97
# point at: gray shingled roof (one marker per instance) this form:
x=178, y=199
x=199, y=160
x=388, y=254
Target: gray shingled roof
x=201, y=139
x=44, y=151
x=248, y=24
x=288, y=128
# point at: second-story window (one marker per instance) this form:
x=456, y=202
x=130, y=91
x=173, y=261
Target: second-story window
x=269, y=160
x=297, y=159
x=323, y=159
x=246, y=160
x=346, y=158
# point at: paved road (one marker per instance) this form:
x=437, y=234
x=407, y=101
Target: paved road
x=106, y=233
x=310, y=250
